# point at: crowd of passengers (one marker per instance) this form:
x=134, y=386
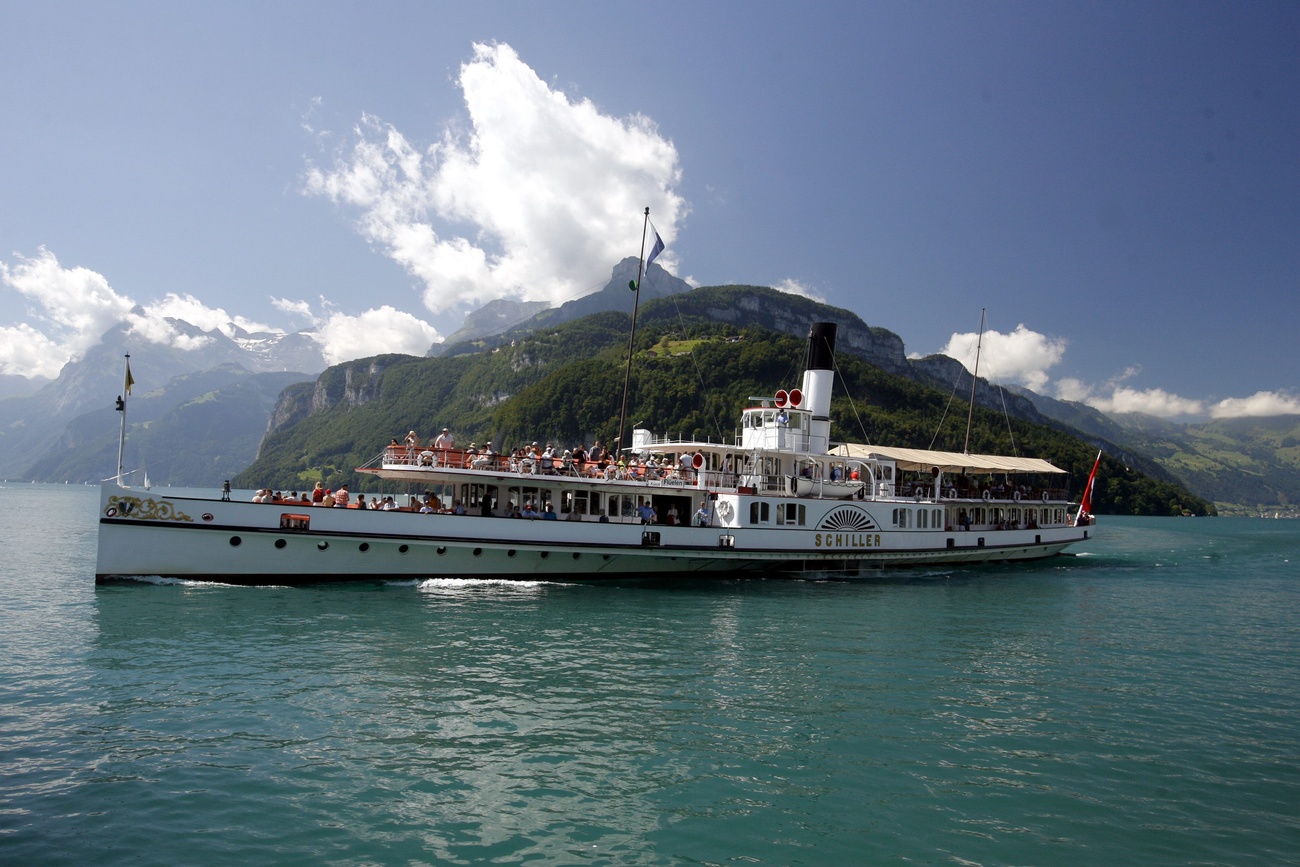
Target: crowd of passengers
x=535, y=459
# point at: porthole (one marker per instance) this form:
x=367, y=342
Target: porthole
x=576, y=555
x=402, y=549
x=235, y=541
x=604, y=556
x=280, y=543
x=442, y=549
x=545, y=554
x=512, y=552
x=478, y=551
x=207, y=516
x=363, y=547
x=322, y=545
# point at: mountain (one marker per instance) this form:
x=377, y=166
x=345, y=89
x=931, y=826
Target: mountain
x=700, y=355
x=499, y=322
x=493, y=318
x=1245, y=465
x=35, y=428
x=197, y=429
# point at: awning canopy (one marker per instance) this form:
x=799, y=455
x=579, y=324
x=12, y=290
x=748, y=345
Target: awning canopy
x=923, y=460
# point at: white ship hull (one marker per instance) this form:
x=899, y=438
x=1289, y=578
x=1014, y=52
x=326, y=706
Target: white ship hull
x=244, y=543
x=780, y=499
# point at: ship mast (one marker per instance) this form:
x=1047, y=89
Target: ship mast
x=127, y=382
x=970, y=412
x=635, y=286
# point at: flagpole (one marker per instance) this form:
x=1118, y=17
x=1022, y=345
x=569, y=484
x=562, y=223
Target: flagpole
x=974, y=377
x=627, y=376
x=121, y=407
x=1085, y=501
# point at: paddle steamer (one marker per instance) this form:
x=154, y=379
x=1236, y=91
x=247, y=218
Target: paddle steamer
x=781, y=498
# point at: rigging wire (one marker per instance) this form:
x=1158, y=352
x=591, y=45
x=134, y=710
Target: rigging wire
x=866, y=438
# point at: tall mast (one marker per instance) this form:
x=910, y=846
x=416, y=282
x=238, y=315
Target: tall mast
x=127, y=382
x=970, y=412
x=627, y=377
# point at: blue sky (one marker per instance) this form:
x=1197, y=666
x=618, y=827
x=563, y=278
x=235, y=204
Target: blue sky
x=1118, y=184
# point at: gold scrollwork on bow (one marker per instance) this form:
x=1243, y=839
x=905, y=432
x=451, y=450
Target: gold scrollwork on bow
x=145, y=510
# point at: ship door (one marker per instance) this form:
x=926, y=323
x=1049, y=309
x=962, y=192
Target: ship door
x=663, y=502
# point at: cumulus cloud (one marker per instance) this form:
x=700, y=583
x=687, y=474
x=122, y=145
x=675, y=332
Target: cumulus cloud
x=1023, y=356
x=1150, y=401
x=1261, y=403
x=343, y=337
x=1114, y=397
x=541, y=192
x=71, y=308
x=74, y=306
x=794, y=287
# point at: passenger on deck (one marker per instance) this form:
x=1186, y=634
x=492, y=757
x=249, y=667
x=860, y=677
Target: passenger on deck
x=444, y=442
x=646, y=512
x=702, y=515
x=341, y=496
x=470, y=454
x=548, y=514
x=318, y=493
x=597, y=453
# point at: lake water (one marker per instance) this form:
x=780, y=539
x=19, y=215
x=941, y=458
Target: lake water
x=1136, y=704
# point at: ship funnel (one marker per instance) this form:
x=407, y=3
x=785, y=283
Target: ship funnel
x=818, y=378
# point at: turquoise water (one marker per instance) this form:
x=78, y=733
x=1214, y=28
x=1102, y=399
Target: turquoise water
x=1139, y=704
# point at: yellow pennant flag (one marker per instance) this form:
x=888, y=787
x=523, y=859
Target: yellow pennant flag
x=130, y=380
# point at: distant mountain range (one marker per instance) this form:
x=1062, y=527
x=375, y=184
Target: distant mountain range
x=198, y=416
x=67, y=430
x=1245, y=465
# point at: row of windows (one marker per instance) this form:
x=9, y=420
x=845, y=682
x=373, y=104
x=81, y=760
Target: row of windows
x=792, y=514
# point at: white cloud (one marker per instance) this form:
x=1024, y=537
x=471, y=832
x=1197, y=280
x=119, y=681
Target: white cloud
x=794, y=287
x=1116, y=398
x=1023, y=356
x=343, y=337
x=1151, y=401
x=1261, y=403
x=75, y=306
x=545, y=191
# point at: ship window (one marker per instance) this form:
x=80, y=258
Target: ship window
x=760, y=513
x=902, y=518
x=792, y=513
x=923, y=519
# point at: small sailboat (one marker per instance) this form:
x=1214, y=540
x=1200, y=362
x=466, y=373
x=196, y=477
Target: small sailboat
x=147, y=485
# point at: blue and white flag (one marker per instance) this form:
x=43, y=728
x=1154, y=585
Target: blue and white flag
x=655, y=251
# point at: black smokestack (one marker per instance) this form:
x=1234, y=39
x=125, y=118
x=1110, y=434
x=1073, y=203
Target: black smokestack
x=821, y=346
